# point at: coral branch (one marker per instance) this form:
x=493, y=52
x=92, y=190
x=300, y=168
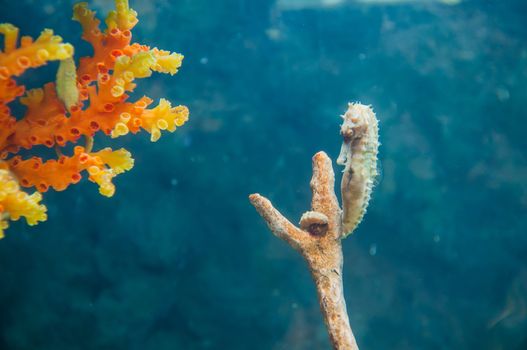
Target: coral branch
x=15, y=203
x=322, y=184
x=319, y=243
x=319, y=238
x=15, y=61
x=10, y=36
x=278, y=224
x=58, y=174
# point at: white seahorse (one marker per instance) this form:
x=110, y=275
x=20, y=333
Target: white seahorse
x=358, y=154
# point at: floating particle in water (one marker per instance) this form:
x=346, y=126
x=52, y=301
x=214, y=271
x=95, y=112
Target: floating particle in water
x=49, y=9
x=373, y=249
x=187, y=141
x=204, y=60
x=502, y=94
x=274, y=34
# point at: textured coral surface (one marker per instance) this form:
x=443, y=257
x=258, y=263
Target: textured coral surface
x=82, y=102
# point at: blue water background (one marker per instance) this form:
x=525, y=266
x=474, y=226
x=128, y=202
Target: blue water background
x=178, y=259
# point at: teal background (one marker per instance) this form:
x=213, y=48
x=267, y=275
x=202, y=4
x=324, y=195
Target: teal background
x=178, y=259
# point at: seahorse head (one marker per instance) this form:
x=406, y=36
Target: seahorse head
x=357, y=121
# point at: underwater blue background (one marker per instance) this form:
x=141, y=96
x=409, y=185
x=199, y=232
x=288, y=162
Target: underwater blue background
x=178, y=258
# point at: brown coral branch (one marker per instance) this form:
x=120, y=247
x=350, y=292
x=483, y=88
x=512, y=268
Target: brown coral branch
x=319, y=242
x=324, y=199
x=278, y=224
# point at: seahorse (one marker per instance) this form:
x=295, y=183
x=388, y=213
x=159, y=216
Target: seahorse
x=66, y=83
x=358, y=154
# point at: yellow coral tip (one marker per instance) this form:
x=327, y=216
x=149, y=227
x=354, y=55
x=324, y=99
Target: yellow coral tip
x=120, y=130
x=117, y=91
x=43, y=54
x=162, y=124
x=94, y=170
x=64, y=51
x=128, y=76
x=125, y=117
x=155, y=135
x=4, y=73
x=107, y=191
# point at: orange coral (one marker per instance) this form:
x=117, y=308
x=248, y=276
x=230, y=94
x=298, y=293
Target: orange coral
x=83, y=101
